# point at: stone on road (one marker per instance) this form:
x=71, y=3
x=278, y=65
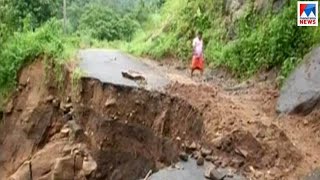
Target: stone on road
x=190, y=171
x=301, y=91
x=108, y=66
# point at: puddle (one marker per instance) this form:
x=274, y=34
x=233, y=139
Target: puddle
x=183, y=171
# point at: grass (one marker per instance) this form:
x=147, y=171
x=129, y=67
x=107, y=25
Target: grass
x=24, y=47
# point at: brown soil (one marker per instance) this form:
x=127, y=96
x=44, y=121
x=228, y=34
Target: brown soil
x=238, y=130
x=285, y=147
x=129, y=131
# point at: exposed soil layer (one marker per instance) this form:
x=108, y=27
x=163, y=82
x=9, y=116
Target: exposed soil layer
x=241, y=135
x=103, y=131
x=107, y=132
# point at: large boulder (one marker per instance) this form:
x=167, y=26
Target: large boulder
x=301, y=92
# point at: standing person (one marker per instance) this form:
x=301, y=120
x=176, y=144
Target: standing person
x=197, y=58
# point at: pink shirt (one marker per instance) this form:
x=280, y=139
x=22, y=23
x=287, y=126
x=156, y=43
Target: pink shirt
x=197, y=46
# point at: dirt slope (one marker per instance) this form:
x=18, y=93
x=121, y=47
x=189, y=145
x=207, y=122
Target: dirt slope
x=99, y=131
x=278, y=147
x=103, y=131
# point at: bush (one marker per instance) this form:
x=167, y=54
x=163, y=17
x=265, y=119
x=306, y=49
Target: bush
x=24, y=47
x=104, y=24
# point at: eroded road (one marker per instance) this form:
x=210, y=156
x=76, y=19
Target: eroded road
x=108, y=66
x=250, y=109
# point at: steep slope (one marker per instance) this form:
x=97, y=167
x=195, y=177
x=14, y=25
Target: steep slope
x=243, y=35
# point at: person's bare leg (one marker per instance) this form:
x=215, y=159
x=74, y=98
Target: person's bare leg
x=192, y=70
x=202, y=77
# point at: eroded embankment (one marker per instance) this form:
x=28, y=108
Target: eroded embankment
x=241, y=135
x=101, y=131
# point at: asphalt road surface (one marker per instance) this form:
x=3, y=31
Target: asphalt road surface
x=108, y=65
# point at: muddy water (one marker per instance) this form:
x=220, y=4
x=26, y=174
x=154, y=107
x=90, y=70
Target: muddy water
x=314, y=175
x=183, y=171
x=190, y=171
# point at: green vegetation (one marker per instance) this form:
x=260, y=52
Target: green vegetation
x=33, y=29
x=244, y=39
x=261, y=40
x=104, y=24
x=24, y=47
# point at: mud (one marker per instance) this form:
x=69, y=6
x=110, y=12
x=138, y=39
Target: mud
x=127, y=131
x=97, y=130
x=239, y=136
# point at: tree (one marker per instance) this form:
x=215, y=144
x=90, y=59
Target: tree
x=100, y=22
x=13, y=12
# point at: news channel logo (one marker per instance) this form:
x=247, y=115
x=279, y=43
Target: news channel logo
x=307, y=13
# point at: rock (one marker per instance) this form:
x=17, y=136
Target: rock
x=207, y=169
x=78, y=162
x=76, y=130
x=65, y=131
x=183, y=156
x=137, y=102
x=89, y=166
x=56, y=103
x=301, y=91
x=209, y=158
x=200, y=161
x=205, y=152
x=22, y=172
x=20, y=88
x=225, y=162
x=216, y=174
x=242, y=152
x=110, y=102
x=71, y=112
x=68, y=99
x=68, y=106
x=63, y=168
x=261, y=134
x=196, y=155
x=235, y=177
x=192, y=147
x=133, y=75
x=237, y=162
x=63, y=108
x=9, y=107
x=49, y=99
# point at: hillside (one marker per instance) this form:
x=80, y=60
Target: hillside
x=243, y=35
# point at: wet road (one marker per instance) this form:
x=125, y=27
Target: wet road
x=315, y=175
x=189, y=171
x=108, y=65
